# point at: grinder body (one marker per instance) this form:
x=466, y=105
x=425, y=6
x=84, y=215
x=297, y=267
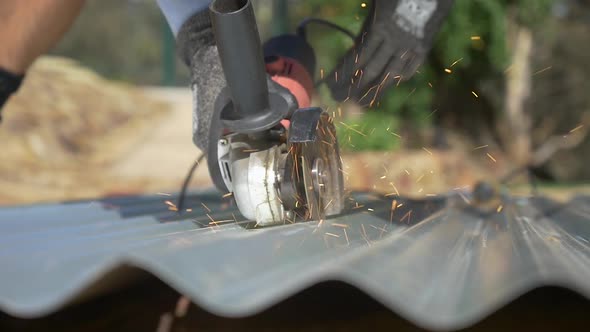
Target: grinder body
x=277, y=155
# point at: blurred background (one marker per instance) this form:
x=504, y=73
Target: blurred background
x=504, y=89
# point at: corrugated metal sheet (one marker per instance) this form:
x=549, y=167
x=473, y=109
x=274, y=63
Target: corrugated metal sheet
x=437, y=262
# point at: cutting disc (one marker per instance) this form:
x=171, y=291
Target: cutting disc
x=313, y=186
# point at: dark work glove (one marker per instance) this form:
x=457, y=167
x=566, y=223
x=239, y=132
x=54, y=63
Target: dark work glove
x=393, y=42
x=9, y=84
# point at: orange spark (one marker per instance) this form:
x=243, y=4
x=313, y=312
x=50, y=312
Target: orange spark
x=394, y=134
x=206, y=207
x=393, y=207
x=394, y=188
x=171, y=206
x=383, y=230
x=475, y=94
x=492, y=158
x=349, y=127
x=364, y=234
x=407, y=215
x=431, y=113
x=542, y=70
x=577, y=128
x=367, y=93
x=213, y=222
x=340, y=225
x=456, y=62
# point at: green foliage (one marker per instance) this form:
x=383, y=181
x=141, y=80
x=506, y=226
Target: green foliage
x=473, y=18
x=121, y=40
x=482, y=57
x=410, y=100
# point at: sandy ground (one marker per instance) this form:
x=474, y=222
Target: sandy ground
x=166, y=150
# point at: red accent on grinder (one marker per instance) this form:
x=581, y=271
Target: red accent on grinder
x=294, y=77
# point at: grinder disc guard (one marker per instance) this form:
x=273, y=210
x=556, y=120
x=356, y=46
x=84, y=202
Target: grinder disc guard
x=278, y=182
x=313, y=186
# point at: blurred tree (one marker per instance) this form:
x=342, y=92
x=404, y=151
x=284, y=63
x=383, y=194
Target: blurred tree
x=469, y=58
x=471, y=49
x=121, y=40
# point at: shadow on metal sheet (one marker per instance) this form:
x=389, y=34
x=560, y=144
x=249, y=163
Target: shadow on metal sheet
x=329, y=306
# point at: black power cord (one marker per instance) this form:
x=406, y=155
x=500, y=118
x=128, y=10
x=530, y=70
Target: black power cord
x=187, y=180
x=301, y=31
x=303, y=25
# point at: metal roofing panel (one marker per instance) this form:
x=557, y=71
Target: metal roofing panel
x=438, y=262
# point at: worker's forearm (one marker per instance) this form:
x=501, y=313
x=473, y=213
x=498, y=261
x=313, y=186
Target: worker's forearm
x=178, y=11
x=32, y=27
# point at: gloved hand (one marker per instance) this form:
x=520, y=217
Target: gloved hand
x=393, y=42
x=196, y=47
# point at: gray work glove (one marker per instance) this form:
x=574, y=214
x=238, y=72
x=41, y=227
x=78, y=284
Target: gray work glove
x=393, y=42
x=196, y=47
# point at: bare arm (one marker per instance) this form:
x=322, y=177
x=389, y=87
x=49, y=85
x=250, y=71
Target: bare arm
x=31, y=28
